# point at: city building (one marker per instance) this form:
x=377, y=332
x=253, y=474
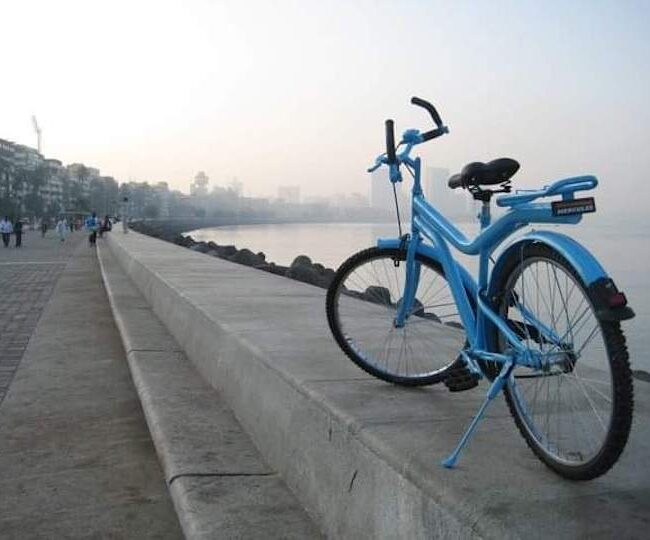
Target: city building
x=199, y=187
x=452, y=203
x=161, y=190
x=237, y=187
x=53, y=190
x=7, y=164
x=289, y=194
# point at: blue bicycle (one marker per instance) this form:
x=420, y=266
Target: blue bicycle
x=542, y=321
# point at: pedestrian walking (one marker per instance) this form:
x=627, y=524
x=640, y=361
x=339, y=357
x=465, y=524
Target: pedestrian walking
x=6, y=228
x=61, y=228
x=105, y=226
x=92, y=226
x=18, y=232
x=43, y=227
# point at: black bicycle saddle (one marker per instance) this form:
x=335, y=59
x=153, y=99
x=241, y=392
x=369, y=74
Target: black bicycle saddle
x=478, y=173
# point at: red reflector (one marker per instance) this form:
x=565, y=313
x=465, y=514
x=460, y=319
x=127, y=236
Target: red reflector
x=617, y=300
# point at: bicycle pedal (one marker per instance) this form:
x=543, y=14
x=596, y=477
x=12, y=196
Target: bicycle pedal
x=460, y=378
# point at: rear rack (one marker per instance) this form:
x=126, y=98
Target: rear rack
x=566, y=188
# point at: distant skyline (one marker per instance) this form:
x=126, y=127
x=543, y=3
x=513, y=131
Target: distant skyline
x=295, y=93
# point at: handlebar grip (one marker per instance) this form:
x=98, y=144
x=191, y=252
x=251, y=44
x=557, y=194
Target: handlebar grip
x=390, y=142
x=434, y=133
x=432, y=110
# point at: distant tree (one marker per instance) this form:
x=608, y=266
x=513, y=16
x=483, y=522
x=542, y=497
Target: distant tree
x=98, y=200
x=52, y=210
x=75, y=195
x=78, y=200
x=37, y=179
x=6, y=207
x=66, y=187
x=6, y=170
x=111, y=192
x=151, y=211
x=34, y=204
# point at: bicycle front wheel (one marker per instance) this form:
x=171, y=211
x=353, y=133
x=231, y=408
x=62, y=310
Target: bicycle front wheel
x=575, y=411
x=362, y=303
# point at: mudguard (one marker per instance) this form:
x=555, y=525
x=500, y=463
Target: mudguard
x=609, y=302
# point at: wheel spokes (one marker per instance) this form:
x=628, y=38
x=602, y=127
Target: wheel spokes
x=566, y=413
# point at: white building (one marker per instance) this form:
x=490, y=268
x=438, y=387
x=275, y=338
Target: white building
x=199, y=187
x=52, y=192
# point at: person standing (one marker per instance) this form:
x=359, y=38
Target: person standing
x=18, y=231
x=125, y=215
x=91, y=225
x=6, y=229
x=61, y=228
x=43, y=227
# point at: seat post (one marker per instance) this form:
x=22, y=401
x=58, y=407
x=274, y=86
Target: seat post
x=485, y=215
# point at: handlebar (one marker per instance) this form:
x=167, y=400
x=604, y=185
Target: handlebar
x=390, y=142
x=432, y=110
x=411, y=137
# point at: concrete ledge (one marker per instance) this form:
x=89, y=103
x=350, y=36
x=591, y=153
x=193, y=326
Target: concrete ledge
x=220, y=485
x=363, y=456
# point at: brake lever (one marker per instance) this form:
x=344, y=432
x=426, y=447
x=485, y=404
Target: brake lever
x=378, y=163
x=373, y=169
x=383, y=159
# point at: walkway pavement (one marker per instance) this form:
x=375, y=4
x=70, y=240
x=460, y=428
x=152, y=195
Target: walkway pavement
x=76, y=456
x=27, y=278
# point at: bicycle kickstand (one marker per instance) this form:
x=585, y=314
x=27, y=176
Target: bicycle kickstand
x=495, y=388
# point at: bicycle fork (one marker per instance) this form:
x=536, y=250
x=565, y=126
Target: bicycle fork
x=494, y=390
x=405, y=308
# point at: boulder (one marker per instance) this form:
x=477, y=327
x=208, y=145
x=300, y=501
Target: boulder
x=327, y=277
x=277, y=269
x=377, y=295
x=188, y=241
x=201, y=247
x=226, y=251
x=246, y=257
x=305, y=274
x=301, y=260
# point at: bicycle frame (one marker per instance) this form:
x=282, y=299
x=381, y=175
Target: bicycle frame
x=428, y=223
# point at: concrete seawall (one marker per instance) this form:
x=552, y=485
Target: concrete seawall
x=363, y=456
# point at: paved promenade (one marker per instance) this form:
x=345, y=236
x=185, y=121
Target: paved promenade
x=76, y=456
x=27, y=278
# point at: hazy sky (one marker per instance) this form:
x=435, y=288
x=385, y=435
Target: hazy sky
x=295, y=92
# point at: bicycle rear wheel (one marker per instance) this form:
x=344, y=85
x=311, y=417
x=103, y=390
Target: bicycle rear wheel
x=575, y=412
x=362, y=303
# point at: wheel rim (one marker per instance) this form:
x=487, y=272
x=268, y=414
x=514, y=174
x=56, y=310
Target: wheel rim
x=566, y=406
x=366, y=305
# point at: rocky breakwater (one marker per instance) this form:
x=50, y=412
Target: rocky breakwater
x=302, y=268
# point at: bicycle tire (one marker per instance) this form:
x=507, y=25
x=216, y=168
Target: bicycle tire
x=567, y=363
x=348, y=323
